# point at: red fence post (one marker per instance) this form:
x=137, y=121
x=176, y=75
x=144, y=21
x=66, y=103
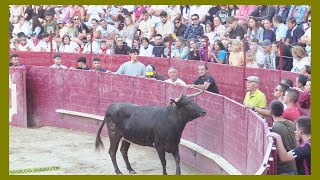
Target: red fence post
x=244, y=66
x=281, y=54
x=170, y=44
x=51, y=48
x=206, y=51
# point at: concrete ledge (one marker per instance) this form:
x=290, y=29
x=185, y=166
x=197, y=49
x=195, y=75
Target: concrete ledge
x=225, y=165
x=76, y=113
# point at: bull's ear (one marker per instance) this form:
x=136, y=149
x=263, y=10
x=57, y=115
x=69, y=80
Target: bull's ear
x=172, y=102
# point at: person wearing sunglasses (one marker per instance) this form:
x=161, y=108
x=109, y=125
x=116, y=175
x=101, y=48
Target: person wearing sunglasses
x=179, y=28
x=195, y=30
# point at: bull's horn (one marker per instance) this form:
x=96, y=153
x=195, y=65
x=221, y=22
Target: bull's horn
x=179, y=98
x=195, y=94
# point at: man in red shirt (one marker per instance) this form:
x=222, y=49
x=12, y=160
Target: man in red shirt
x=291, y=97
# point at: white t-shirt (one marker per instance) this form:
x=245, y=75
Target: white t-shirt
x=94, y=11
x=146, y=52
x=71, y=48
x=48, y=46
x=297, y=65
x=37, y=47
x=178, y=81
x=95, y=48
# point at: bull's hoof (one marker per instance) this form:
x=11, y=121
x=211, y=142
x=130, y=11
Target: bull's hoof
x=119, y=173
x=132, y=172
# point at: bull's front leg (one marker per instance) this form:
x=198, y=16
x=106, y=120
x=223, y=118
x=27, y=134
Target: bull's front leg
x=162, y=155
x=176, y=156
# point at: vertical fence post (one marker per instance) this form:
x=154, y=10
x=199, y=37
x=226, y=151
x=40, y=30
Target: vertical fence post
x=170, y=44
x=281, y=58
x=274, y=155
x=206, y=51
x=91, y=42
x=244, y=66
x=51, y=48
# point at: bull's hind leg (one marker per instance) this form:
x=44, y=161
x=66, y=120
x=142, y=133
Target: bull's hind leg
x=124, y=151
x=114, y=143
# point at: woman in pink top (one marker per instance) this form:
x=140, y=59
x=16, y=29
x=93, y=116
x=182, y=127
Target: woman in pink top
x=243, y=13
x=137, y=12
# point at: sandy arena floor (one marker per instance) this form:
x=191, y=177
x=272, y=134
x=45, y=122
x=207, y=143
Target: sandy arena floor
x=74, y=153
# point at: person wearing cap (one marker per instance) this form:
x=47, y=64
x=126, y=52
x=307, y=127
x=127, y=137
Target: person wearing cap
x=57, y=62
x=152, y=73
x=254, y=97
x=165, y=27
x=278, y=93
x=205, y=80
x=133, y=67
x=173, y=77
x=36, y=44
x=269, y=57
x=47, y=43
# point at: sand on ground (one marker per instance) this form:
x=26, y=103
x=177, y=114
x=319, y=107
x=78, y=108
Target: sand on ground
x=73, y=151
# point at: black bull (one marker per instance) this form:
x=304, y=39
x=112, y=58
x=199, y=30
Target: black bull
x=155, y=126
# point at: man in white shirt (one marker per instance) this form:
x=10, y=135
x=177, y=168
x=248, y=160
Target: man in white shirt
x=95, y=45
x=173, y=77
x=165, y=27
x=47, y=43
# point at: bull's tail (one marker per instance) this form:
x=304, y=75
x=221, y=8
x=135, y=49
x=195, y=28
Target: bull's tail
x=99, y=143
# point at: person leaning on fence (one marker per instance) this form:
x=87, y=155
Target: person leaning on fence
x=301, y=81
x=152, y=73
x=301, y=155
x=205, y=80
x=173, y=77
x=58, y=62
x=278, y=93
x=305, y=97
x=285, y=129
x=254, y=97
x=133, y=67
x=15, y=62
x=290, y=98
x=82, y=64
x=97, y=65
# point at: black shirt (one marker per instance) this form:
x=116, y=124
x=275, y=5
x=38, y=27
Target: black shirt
x=86, y=68
x=213, y=86
x=158, y=49
x=125, y=49
x=237, y=32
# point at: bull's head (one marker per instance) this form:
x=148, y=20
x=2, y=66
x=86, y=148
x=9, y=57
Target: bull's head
x=188, y=105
